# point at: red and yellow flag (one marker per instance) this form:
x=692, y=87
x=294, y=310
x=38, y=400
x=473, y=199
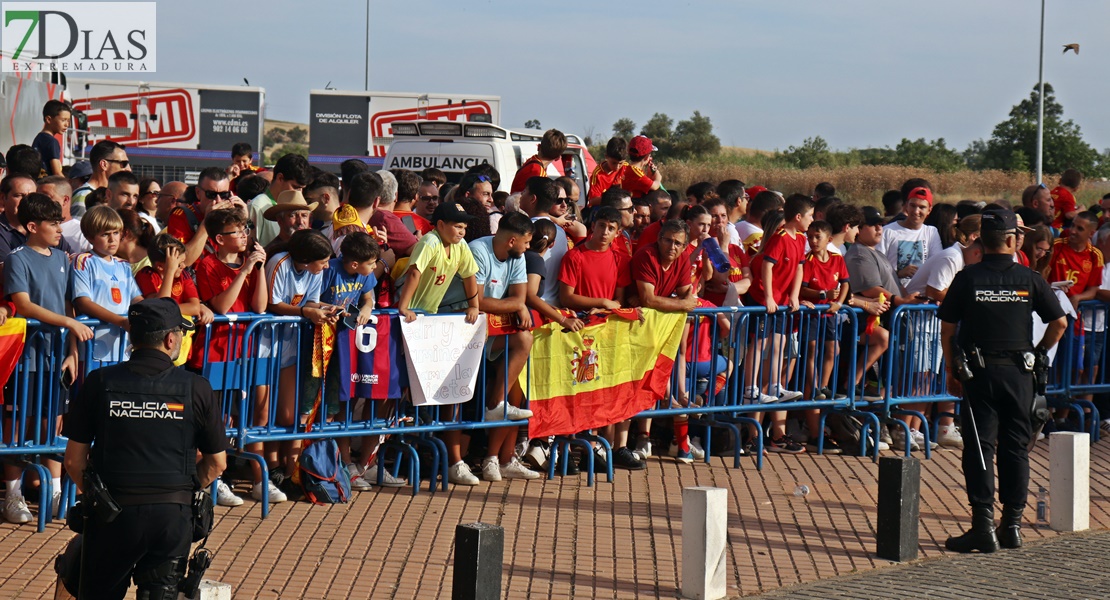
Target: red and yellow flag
x=603, y=374
x=13, y=333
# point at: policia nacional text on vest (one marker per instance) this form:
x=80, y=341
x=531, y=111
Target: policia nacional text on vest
x=990, y=307
x=134, y=431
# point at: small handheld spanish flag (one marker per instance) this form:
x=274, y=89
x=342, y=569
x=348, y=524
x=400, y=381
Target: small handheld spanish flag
x=874, y=320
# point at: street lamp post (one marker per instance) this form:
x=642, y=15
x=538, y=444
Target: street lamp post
x=366, y=56
x=1040, y=109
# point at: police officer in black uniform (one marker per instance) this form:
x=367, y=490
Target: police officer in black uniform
x=992, y=303
x=138, y=426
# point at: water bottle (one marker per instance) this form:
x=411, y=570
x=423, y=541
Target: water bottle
x=716, y=255
x=1042, y=506
x=801, y=491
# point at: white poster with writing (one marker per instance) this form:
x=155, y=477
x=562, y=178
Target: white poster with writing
x=443, y=353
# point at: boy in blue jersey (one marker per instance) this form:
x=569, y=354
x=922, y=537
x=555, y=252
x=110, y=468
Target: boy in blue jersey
x=349, y=283
x=36, y=275
x=102, y=285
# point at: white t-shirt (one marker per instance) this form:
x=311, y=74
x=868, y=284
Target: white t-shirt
x=937, y=272
x=904, y=247
x=1100, y=315
x=549, y=287
x=71, y=231
x=733, y=235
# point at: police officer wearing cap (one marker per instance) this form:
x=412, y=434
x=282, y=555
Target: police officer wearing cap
x=138, y=426
x=986, y=332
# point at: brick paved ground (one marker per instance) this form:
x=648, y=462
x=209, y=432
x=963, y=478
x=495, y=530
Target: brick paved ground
x=565, y=540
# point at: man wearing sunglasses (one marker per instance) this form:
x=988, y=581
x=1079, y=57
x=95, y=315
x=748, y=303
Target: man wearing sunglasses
x=186, y=222
x=107, y=158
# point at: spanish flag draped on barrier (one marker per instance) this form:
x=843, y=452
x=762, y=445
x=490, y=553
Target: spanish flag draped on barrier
x=603, y=374
x=13, y=333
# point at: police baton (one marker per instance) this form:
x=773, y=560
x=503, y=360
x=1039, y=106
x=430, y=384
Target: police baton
x=978, y=447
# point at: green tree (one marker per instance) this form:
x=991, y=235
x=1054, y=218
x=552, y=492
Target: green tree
x=275, y=136
x=660, y=128
x=298, y=135
x=814, y=152
x=935, y=155
x=1013, y=144
x=624, y=128
x=694, y=137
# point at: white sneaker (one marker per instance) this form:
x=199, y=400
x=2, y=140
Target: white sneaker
x=753, y=396
x=16, y=511
x=459, y=474
x=276, y=495
x=516, y=470
x=919, y=440
x=224, y=496
x=643, y=448
x=537, y=454
x=358, y=484
x=950, y=437
x=696, y=450
x=884, y=435
x=56, y=503
x=785, y=395
x=511, y=413
x=491, y=469
x=898, y=437
x=370, y=477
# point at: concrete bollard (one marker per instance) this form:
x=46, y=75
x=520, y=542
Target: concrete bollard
x=704, y=539
x=1069, y=491
x=214, y=590
x=899, y=496
x=479, y=549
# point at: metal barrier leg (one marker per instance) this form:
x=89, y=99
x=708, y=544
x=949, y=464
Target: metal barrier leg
x=737, y=447
x=758, y=440
x=46, y=490
x=441, y=450
x=403, y=449
x=436, y=462
x=265, y=478
x=870, y=419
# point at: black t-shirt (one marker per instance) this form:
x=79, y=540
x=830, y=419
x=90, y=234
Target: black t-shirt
x=994, y=300
x=208, y=428
x=534, y=264
x=48, y=148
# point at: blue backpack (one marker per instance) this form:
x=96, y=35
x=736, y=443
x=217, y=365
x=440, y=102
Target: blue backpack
x=322, y=475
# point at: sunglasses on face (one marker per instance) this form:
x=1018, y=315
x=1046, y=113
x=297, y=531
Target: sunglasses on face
x=213, y=195
x=430, y=198
x=122, y=163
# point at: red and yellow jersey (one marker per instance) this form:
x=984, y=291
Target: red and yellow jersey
x=824, y=276
x=601, y=180
x=1064, y=202
x=784, y=250
x=636, y=181
x=1083, y=268
x=533, y=167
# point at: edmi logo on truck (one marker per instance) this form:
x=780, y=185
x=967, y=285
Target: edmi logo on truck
x=79, y=36
x=168, y=116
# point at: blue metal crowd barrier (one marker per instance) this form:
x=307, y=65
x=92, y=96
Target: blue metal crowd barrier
x=758, y=354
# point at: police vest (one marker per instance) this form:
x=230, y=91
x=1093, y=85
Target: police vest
x=144, y=446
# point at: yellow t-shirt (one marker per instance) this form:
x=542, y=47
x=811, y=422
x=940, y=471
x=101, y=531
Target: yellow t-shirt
x=437, y=269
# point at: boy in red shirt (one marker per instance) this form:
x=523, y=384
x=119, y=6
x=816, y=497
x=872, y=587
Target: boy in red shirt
x=1075, y=262
x=231, y=280
x=641, y=175
x=824, y=281
x=552, y=145
x=777, y=273
x=593, y=275
x=609, y=171
x=1063, y=199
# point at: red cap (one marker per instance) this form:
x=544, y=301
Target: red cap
x=755, y=190
x=640, y=147
x=921, y=193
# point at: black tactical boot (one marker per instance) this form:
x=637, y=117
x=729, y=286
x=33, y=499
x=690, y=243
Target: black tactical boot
x=1009, y=529
x=980, y=537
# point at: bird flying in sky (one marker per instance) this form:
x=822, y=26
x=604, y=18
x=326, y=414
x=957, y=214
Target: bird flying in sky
x=1074, y=47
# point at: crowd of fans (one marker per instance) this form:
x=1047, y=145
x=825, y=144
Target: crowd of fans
x=295, y=240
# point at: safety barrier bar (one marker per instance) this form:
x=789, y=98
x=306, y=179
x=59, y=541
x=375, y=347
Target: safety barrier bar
x=759, y=355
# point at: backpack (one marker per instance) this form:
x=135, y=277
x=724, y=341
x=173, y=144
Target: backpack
x=322, y=474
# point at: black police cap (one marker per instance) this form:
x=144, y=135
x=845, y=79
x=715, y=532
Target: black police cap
x=998, y=220
x=156, y=314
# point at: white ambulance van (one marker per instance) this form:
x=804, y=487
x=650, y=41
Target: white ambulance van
x=454, y=147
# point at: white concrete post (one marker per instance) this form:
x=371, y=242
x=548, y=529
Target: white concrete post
x=1069, y=481
x=214, y=590
x=704, y=539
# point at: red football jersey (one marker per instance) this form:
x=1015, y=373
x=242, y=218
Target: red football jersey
x=1083, y=269
x=785, y=251
x=824, y=276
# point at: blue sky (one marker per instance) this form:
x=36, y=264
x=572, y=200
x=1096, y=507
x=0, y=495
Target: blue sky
x=769, y=74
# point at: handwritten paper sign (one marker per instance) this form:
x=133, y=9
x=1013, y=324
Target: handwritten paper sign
x=443, y=354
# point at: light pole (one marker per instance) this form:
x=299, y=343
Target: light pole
x=366, y=56
x=1040, y=98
